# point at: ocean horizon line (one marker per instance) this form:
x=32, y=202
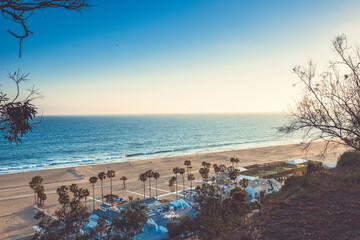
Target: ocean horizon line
x=162, y=114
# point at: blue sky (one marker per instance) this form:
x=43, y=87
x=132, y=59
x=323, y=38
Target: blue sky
x=175, y=56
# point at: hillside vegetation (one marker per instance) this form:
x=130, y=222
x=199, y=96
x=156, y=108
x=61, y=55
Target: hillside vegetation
x=322, y=204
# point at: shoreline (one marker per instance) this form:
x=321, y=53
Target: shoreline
x=147, y=156
x=16, y=197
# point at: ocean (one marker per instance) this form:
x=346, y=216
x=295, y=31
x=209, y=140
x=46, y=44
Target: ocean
x=64, y=141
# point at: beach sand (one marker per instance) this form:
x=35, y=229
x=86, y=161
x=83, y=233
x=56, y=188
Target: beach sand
x=17, y=199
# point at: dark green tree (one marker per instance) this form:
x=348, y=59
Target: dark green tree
x=93, y=180
x=102, y=177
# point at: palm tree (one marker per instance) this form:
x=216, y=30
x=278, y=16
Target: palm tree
x=244, y=183
x=123, y=178
x=42, y=197
x=232, y=160
x=191, y=178
x=182, y=171
x=143, y=178
x=206, y=164
x=111, y=174
x=171, y=183
x=236, y=161
x=216, y=170
x=35, y=182
x=102, y=176
x=190, y=167
x=40, y=192
x=156, y=175
x=187, y=163
x=149, y=175
x=85, y=193
x=93, y=180
x=204, y=172
x=222, y=170
x=234, y=174
x=176, y=171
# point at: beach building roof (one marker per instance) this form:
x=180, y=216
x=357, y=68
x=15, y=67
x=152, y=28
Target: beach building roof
x=242, y=169
x=110, y=197
x=180, y=203
x=331, y=165
x=297, y=161
x=149, y=201
x=264, y=183
x=246, y=177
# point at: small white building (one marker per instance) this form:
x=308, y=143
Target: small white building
x=266, y=185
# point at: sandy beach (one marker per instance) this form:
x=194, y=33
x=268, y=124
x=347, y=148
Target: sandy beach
x=17, y=199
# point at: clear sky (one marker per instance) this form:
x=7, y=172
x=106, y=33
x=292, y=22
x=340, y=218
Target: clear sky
x=175, y=56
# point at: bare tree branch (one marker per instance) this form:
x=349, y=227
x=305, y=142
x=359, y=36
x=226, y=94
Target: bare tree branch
x=19, y=11
x=329, y=108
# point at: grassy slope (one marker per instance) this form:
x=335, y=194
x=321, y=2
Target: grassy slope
x=324, y=205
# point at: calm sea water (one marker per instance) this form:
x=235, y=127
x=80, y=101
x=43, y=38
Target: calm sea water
x=81, y=140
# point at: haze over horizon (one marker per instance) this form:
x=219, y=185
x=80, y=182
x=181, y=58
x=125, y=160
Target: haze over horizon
x=175, y=57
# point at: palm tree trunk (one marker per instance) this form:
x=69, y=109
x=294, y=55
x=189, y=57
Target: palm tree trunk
x=156, y=188
x=93, y=197
x=150, y=186
x=35, y=198
x=102, y=191
x=124, y=184
x=111, y=191
x=217, y=179
x=176, y=187
x=144, y=189
x=183, y=185
x=85, y=203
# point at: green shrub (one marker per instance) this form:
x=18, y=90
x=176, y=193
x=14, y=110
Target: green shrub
x=350, y=158
x=314, y=167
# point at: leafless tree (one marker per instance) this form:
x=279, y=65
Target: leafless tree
x=19, y=11
x=17, y=115
x=329, y=108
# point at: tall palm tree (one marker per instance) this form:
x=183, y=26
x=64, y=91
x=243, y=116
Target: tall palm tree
x=223, y=170
x=156, y=175
x=216, y=170
x=149, y=175
x=143, y=178
x=188, y=164
x=236, y=161
x=191, y=178
x=93, y=180
x=232, y=160
x=182, y=171
x=111, y=174
x=204, y=172
x=176, y=171
x=102, y=176
x=85, y=193
x=123, y=178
